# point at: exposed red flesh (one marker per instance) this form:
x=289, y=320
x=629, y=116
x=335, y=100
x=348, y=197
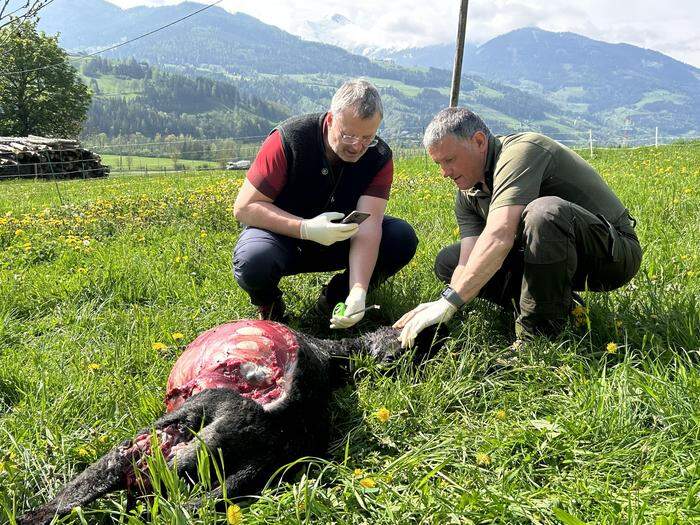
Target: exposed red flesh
x=250, y=357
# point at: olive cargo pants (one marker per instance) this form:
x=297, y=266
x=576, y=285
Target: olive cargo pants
x=560, y=247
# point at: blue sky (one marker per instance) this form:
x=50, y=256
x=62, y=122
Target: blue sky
x=670, y=27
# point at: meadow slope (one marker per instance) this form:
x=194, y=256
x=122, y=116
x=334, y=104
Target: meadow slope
x=103, y=282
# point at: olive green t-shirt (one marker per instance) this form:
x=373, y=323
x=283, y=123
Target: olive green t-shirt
x=524, y=166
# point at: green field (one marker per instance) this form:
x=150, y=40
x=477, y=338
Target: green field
x=579, y=430
x=127, y=163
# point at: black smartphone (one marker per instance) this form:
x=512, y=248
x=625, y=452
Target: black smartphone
x=356, y=217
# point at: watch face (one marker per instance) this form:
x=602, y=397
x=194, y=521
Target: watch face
x=453, y=297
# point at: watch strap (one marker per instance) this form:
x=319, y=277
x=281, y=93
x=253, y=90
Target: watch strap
x=451, y=296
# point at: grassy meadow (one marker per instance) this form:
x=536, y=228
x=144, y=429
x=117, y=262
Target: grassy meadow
x=103, y=282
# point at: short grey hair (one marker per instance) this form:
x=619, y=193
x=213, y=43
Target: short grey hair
x=361, y=96
x=460, y=122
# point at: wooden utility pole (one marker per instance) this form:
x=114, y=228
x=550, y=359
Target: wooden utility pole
x=459, y=53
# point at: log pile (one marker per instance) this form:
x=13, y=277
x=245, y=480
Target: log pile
x=48, y=158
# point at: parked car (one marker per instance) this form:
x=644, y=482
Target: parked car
x=238, y=165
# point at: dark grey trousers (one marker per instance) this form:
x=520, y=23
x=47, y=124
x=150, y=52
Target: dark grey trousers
x=261, y=258
x=560, y=247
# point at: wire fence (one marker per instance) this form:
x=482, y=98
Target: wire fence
x=152, y=157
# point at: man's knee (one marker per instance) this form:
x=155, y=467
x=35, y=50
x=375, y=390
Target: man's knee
x=446, y=262
x=399, y=241
x=255, y=265
x=545, y=212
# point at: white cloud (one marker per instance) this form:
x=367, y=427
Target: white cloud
x=670, y=27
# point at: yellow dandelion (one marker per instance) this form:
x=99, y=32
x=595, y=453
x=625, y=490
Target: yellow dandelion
x=203, y=234
x=102, y=439
x=234, y=515
x=177, y=335
x=81, y=270
x=501, y=415
x=611, y=348
x=368, y=483
x=383, y=415
x=94, y=366
x=357, y=472
x=578, y=311
x=483, y=459
x=83, y=452
x=19, y=231
x=159, y=346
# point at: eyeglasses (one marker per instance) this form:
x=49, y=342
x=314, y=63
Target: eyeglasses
x=352, y=140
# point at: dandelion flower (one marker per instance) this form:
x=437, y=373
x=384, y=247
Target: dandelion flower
x=234, y=515
x=483, y=459
x=94, y=366
x=357, y=472
x=83, y=452
x=383, y=415
x=159, y=346
x=203, y=234
x=368, y=483
x=578, y=311
x=177, y=335
x=611, y=348
x=501, y=415
x=19, y=231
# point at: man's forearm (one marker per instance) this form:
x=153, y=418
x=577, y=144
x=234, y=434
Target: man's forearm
x=268, y=216
x=364, y=249
x=484, y=261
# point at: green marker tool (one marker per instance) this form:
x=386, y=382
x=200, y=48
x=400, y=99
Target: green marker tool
x=339, y=310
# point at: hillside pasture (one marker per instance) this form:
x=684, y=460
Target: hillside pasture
x=100, y=294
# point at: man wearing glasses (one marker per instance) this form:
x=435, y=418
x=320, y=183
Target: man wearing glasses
x=312, y=171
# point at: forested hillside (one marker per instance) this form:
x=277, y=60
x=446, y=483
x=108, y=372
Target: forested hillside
x=131, y=97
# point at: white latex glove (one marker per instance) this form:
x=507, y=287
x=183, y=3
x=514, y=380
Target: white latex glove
x=320, y=229
x=422, y=316
x=354, y=302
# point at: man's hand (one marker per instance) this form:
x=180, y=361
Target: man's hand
x=422, y=316
x=320, y=229
x=354, y=303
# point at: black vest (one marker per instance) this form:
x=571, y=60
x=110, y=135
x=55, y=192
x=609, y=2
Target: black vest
x=312, y=187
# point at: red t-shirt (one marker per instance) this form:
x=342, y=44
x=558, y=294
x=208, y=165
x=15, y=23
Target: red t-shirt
x=268, y=173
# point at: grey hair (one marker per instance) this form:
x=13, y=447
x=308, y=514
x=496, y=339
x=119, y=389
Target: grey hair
x=460, y=122
x=361, y=96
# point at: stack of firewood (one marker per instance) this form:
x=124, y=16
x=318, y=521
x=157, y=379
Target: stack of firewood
x=48, y=158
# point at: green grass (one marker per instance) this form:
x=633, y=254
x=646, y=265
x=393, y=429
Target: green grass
x=571, y=432
x=127, y=163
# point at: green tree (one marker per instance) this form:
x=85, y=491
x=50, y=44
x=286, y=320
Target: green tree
x=40, y=92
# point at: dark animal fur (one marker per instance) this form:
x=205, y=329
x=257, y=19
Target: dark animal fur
x=227, y=422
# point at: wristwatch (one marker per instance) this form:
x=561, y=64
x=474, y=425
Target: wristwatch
x=452, y=297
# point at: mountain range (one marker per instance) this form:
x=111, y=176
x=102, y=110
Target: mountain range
x=558, y=83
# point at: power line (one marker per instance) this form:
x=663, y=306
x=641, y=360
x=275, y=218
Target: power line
x=83, y=57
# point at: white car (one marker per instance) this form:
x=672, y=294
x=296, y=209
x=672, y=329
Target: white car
x=238, y=165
